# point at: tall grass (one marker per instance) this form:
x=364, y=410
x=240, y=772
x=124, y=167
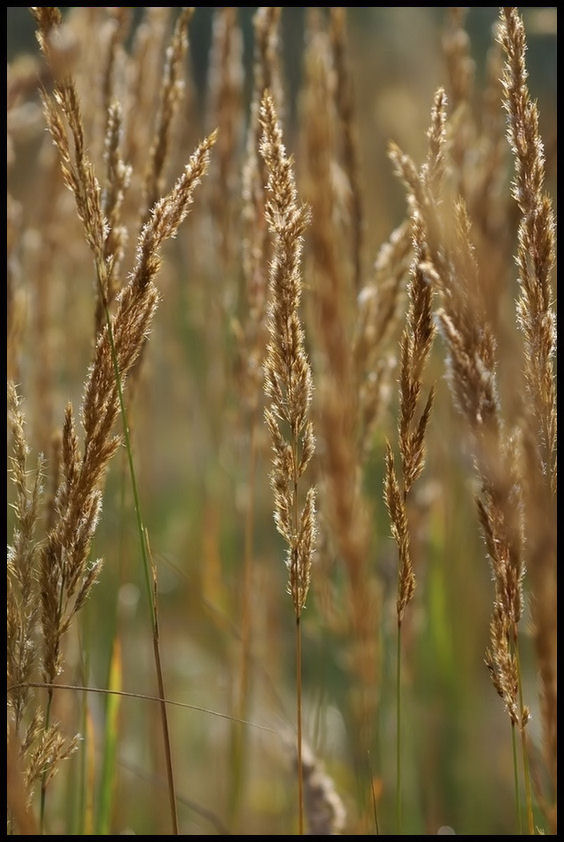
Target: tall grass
x=404, y=313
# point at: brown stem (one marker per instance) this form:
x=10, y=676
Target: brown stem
x=164, y=719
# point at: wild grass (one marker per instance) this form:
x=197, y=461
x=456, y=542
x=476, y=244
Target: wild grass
x=186, y=329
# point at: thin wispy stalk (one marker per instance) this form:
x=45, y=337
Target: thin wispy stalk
x=288, y=386
x=452, y=269
x=108, y=691
x=171, y=91
x=537, y=322
x=67, y=574
x=416, y=346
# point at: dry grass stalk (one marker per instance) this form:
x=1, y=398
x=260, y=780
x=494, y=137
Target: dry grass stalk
x=22, y=597
x=67, y=575
x=452, y=268
x=536, y=319
x=535, y=256
x=105, y=240
x=118, y=177
x=288, y=385
x=171, y=92
x=40, y=749
x=38, y=234
x=78, y=172
x=416, y=346
x=288, y=382
x=471, y=362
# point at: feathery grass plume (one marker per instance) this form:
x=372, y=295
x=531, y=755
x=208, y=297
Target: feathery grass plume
x=40, y=750
x=535, y=256
x=451, y=267
x=171, y=91
x=416, y=346
x=118, y=177
x=67, y=574
x=22, y=596
x=337, y=404
x=46, y=18
x=537, y=322
x=325, y=811
x=35, y=237
x=345, y=107
x=78, y=172
x=288, y=383
x=105, y=243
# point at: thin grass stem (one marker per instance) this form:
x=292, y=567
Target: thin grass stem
x=145, y=556
x=516, y=779
x=44, y=777
x=398, y=732
x=526, y=775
